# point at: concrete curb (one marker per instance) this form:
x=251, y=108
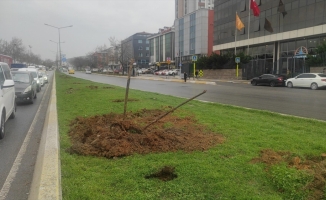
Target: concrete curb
x=46, y=182
x=170, y=79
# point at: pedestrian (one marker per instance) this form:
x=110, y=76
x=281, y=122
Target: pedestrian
x=185, y=75
x=196, y=73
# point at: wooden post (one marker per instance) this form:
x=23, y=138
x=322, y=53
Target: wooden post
x=127, y=88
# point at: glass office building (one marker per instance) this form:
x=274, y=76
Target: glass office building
x=279, y=39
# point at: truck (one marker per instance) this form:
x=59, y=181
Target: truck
x=6, y=59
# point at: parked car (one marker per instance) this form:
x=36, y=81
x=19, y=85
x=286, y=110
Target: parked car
x=312, y=80
x=173, y=72
x=88, y=71
x=25, y=86
x=7, y=97
x=269, y=79
x=35, y=75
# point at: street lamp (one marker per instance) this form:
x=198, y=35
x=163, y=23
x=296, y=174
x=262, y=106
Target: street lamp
x=57, y=51
x=30, y=54
x=59, y=37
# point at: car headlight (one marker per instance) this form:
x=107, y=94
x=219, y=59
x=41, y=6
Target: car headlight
x=28, y=89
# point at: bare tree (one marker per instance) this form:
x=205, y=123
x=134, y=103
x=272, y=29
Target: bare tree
x=123, y=51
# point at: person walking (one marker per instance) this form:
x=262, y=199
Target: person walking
x=196, y=73
x=185, y=75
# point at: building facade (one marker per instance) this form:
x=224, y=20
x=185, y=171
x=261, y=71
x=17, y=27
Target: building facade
x=278, y=40
x=193, y=35
x=137, y=47
x=162, y=47
x=184, y=7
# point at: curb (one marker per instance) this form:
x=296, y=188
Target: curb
x=46, y=182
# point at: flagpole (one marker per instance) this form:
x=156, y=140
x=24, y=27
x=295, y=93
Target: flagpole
x=248, y=27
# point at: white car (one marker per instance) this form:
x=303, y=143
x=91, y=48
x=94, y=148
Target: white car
x=7, y=97
x=312, y=80
x=41, y=78
x=88, y=71
x=173, y=72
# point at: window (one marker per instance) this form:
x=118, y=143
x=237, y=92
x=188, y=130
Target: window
x=140, y=48
x=147, y=48
x=140, y=54
x=2, y=77
x=7, y=73
x=140, y=41
x=147, y=41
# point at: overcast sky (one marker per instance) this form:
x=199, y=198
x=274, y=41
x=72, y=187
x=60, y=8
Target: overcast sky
x=94, y=21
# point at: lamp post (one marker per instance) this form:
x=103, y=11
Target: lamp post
x=59, y=37
x=30, y=54
x=57, y=51
x=13, y=52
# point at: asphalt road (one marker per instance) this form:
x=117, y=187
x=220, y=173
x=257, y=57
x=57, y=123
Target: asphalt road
x=291, y=101
x=18, y=149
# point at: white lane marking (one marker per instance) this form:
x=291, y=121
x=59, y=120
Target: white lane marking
x=14, y=169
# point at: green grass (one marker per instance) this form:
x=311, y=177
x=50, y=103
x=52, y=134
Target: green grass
x=223, y=172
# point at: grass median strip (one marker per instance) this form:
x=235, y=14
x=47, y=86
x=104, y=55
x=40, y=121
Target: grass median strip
x=235, y=168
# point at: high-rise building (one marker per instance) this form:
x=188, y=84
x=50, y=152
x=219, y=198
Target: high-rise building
x=184, y=7
x=136, y=47
x=278, y=39
x=162, y=47
x=193, y=36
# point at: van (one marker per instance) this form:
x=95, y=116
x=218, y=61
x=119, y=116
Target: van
x=36, y=77
x=7, y=97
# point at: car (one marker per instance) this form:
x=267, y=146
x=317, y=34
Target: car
x=71, y=71
x=25, y=86
x=35, y=75
x=269, y=79
x=88, y=71
x=173, y=72
x=40, y=76
x=45, y=77
x=7, y=97
x=312, y=80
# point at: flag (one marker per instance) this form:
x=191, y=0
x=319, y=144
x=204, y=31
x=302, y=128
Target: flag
x=268, y=26
x=281, y=8
x=254, y=7
x=238, y=23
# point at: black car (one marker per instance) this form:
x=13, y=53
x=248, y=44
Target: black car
x=269, y=79
x=25, y=86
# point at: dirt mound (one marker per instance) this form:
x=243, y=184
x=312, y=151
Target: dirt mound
x=110, y=135
x=315, y=166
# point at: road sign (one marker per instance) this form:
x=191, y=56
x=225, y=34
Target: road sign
x=63, y=58
x=201, y=73
x=237, y=59
x=194, y=58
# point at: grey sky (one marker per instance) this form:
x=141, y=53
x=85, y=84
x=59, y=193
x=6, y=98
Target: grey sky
x=94, y=21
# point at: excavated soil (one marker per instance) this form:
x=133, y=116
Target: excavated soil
x=111, y=135
x=315, y=166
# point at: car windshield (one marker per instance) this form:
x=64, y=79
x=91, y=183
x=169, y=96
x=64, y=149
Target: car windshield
x=322, y=75
x=20, y=77
x=34, y=74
